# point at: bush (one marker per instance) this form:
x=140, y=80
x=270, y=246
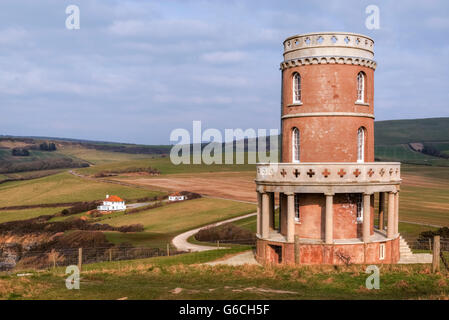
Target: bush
x=225, y=232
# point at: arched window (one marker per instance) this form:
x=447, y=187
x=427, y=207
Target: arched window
x=361, y=145
x=295, y=145
x=296, y=88
x=361, y=87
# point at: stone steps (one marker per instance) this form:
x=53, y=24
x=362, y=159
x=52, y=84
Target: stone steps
x=406, y=256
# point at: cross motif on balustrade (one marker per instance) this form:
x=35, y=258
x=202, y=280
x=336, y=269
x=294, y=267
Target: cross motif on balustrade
x=382, y=172
x=325, y=173
x=296, y=173
x=357, y=172
x=310, y=173
x=283, y=173
x=370, y=172
x=341, y=173
x=391, y=171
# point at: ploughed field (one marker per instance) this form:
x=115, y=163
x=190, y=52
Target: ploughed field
x=424, y=196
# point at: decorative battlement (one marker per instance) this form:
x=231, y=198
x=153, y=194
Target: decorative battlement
x=328, y=44
x=329, y=173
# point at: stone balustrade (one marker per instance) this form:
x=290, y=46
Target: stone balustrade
x=329, y=173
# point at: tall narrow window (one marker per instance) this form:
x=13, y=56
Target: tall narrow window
x=295, y=145
x=297, y=213
x=361, y=145
x=359, y=201
x=296, y=88
x=361, y=87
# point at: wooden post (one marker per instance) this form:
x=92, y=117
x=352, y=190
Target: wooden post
x=168, y=249
x=436, y=254
x=80, y=258
x=110, y=254
x=430, y=244
x=218, y=243
x=54, y=260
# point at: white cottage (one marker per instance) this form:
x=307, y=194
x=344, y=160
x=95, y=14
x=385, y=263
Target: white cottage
x=177, y=197
x=112, y=203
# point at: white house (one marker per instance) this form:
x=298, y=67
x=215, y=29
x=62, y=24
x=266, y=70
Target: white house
x=176, y=197
x=112, y=203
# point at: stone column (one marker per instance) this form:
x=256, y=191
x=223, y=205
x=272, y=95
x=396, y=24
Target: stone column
x=391, y=213
x=396, y=213
x=265, y=215
x=271, y=210
x=290, y=217
x=381, y=210
x=366, y=216
x=259, y=212
x=329, y=223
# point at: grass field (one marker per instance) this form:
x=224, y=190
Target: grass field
x=63, y=187
x=181, y=277
x=101, y=157
x=163, y=223
x=14, y=215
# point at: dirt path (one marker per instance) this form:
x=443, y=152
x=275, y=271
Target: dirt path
x=181, y=243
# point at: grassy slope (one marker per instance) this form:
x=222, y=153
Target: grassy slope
x=14, y=215
x=166, y=167
x=100, y=157
x=392, y=137
x=62, y=187
x=156, y=278
x=162, y=224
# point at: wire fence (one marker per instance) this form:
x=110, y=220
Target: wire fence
x=58, y=257
x=425, y=244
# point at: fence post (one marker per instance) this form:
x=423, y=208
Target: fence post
x=168, y=250
x=80, y=258
x=110, y=254
x=54, y=260
x=430, y=244
x=436, y=254
x=218, y=244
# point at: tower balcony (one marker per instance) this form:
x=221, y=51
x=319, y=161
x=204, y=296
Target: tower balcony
x=328, y=177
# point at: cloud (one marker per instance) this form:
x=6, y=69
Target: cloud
x=224, y=57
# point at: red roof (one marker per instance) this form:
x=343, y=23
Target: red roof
x=114, y=199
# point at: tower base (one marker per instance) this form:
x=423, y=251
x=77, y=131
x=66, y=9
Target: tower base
x=304, y=252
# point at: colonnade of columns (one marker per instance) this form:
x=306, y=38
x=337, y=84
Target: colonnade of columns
x=266, y=218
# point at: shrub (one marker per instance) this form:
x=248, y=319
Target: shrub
x=225, y=232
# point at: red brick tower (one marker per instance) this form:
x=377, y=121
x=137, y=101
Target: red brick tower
x=328, y=179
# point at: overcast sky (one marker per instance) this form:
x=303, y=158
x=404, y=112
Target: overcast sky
x=136, y=70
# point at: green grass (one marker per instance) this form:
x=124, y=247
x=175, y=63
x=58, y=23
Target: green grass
x=404, y=154
x=101, y=157
x=156, y=278
x=166, y=167
x=163, y=223
x=14, y=215
x=414, y=130
x=63, y=187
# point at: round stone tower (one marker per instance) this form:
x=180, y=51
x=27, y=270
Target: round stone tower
x=328, y=179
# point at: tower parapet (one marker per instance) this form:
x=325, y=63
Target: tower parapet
x=328, y=47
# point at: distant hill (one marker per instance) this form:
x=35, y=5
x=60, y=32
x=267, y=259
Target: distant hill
x=409, y=131
x=416, y=141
